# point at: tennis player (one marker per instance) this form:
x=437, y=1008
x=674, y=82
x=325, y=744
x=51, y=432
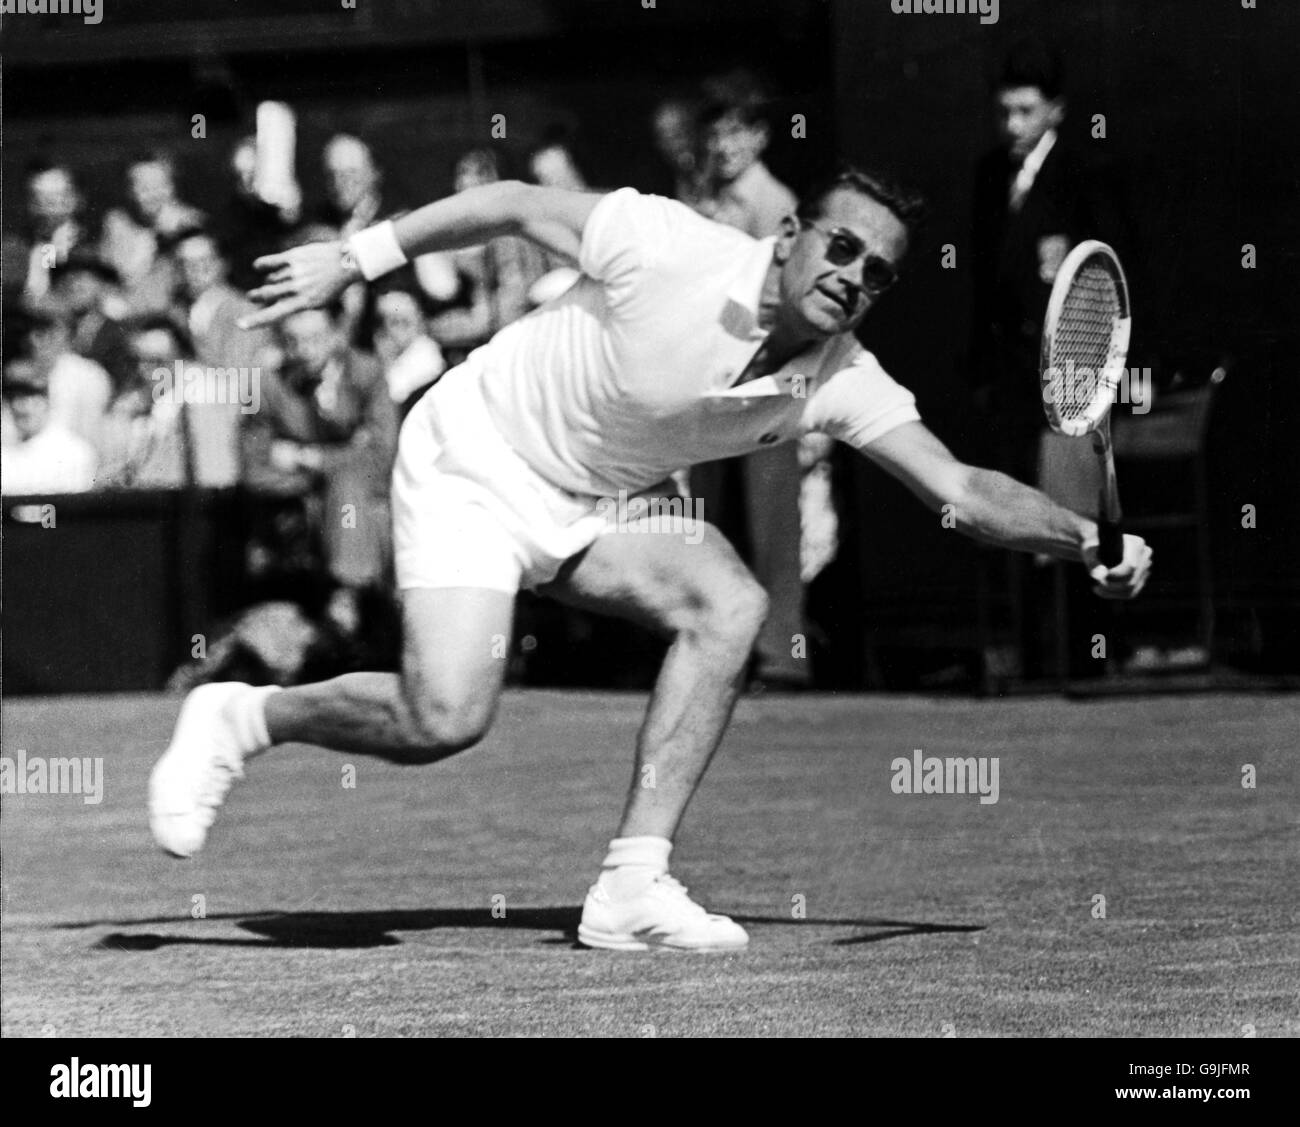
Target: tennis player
x=683, y=341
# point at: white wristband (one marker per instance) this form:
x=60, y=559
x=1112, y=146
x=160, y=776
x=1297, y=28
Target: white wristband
x=376, y=250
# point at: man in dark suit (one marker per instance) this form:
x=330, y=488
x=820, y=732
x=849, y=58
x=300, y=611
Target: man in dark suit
x=53, y=227
x=1037, y=196
x=82, y=283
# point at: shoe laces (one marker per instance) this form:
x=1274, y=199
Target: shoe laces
x=675, y=889
x=227, y=768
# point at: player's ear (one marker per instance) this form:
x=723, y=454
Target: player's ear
x=785, y=238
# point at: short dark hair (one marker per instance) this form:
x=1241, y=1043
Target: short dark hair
x=160, y=322
x=39, y=166
x=738, y=92
x=1033, y=63
x=153, y=156
x=82, y=260
x=169, y=243
x=907, y=206
x=750, y=114
x=20, y=379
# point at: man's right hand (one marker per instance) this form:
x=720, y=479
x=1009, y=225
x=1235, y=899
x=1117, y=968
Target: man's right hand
x=306, y=277
x=1127, y=578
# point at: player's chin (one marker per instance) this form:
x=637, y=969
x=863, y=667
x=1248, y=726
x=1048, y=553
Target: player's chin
x=827, y=317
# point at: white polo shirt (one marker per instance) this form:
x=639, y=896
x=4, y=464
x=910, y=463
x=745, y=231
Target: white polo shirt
x=628, y=375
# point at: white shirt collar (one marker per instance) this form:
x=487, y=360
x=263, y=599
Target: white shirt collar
x=1034, y=161
x=747, y=289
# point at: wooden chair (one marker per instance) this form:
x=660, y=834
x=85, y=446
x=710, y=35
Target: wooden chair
x=1173, y=433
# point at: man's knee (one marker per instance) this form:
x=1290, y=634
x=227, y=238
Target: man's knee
x=730, y=613
x=437, y=729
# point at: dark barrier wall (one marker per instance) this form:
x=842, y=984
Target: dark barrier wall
x=106, y=592
x=1202, y=111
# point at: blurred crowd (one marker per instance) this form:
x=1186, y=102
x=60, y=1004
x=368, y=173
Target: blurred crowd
x=124, y=367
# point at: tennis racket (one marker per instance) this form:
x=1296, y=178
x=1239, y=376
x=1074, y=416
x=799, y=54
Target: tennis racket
x=1085, y=348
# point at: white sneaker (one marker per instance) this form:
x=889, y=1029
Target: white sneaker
x=661, y=916
x=190, y=782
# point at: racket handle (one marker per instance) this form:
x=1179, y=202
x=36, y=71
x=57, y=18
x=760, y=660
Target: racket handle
x=1110, y=540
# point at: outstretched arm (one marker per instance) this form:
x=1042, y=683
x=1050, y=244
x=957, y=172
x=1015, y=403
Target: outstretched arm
x=315, y=274
x=997, y=509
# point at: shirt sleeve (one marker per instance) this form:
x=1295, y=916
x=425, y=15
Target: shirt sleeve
x=627, y=233
x=770, y=211
x=860, y=403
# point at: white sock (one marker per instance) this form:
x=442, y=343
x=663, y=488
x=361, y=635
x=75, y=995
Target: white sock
x=632, y=863
x=246, y=712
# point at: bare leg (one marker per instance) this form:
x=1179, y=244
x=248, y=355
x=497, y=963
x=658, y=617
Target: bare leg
x=771, y=490
x=453, y=662
x=702, y=597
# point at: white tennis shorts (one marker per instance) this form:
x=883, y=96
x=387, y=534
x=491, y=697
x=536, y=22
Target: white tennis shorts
x=468, y=511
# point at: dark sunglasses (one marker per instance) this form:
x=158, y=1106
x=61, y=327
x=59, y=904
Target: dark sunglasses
x=843, y=248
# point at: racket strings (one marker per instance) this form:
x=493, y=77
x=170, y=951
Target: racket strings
x=1082, y=349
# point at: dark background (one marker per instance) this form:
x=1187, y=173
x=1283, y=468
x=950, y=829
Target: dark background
x=1202, y=107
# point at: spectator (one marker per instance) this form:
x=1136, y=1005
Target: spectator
x=677, y=140
x=411, y=358
x=45, y=456
x=52, y=229
x=495, y=278
x=1036, y=196
x=249, y=226
x=133, y=238
x=212, y=309
x=354, y=190
x=83, y=285
x=757, y=500
x=554, y=164
x=324, y=439
x=739, y=190
x=353, y=183
x=146, y=442
x=79, y=390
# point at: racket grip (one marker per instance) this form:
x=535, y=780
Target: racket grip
x=1110, y=540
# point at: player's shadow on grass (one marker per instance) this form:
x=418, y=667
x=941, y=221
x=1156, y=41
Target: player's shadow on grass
x=877, y=929
x=340, y=930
